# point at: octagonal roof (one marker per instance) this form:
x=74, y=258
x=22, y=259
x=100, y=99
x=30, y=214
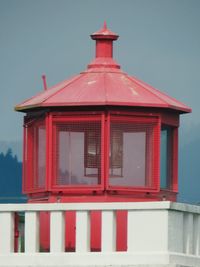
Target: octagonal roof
x=103, y=83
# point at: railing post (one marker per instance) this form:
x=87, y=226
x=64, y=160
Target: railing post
x=188, y=233
x=31, y=231
x=6, y=232
x=57, y=231
x=108, y=238
x=147, y=230
x=82, y=231
x=197, y=235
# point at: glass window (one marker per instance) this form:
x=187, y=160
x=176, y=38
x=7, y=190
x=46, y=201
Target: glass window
x=166, y=157
x=35, y=155
x=131, y=154
x=77, y=153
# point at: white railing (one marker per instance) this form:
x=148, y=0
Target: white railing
x=157, y=233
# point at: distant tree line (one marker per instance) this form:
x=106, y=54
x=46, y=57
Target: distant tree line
x=10, y=178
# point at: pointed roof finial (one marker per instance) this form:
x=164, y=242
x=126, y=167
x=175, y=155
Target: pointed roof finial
x=104, y=33
x=105, y=25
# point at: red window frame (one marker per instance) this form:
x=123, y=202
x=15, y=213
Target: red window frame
x=29, y=160
x=172, y=159
x=76, y=117
x=143, y=119
x=172, y=121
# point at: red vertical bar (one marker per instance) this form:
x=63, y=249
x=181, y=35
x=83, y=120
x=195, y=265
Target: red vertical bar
x=24, y=163
x=103, y=151
x=157, y=150
x=175, y=161
x=29, y=172
x=106, y=154
x=36, y=155
x=121, y=240
x=49, y=151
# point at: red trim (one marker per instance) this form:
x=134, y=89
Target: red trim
x=107, y=150
x=175, y=161
x=103, y=151
x=24, y=163
x=49, y=140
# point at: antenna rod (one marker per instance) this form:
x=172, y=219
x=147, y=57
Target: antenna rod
x=44, y=82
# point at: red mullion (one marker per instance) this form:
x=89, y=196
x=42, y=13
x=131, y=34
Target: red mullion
x=29, y=173
x=24, y=163
x=147, y=146
x=55, y=159
x=175, y=160
x=156, y=157
x=49, y=161
x=35, y=157
x=103, y=150
x=107, y=148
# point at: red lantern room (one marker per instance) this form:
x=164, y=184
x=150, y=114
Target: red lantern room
x=101, y=136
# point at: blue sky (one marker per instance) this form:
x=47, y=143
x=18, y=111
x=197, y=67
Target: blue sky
x=159, y=43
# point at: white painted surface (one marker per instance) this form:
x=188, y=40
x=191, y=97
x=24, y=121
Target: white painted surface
x=31, y=232
x=188, y=233
x=196, y=239
x=147, y=231
x=6, y=232
x=57, y=231
x=82, y=232
x=160, y=234
x=108, y=236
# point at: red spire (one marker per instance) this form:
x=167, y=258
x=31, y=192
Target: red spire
x=104, y=42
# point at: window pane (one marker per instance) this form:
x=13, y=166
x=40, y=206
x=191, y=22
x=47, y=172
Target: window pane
x=165, y=165
x=130, y=155
x=78, y=153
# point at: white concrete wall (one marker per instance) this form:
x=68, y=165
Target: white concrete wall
x=160, y=234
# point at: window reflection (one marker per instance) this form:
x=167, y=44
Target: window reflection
x=131, y=152
x=166, y=157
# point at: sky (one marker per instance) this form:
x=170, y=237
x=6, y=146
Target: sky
x=159, y=43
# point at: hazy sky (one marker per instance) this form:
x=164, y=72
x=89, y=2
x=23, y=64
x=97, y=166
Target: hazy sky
x=159, y=43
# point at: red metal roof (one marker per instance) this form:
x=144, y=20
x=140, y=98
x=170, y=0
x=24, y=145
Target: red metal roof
x=103, y=83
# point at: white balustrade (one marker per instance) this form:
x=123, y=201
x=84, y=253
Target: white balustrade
x=6, y=232
x=158, y=233
x=31, y=232
x=108, y=236
x=82, y=231
x=57, y=231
